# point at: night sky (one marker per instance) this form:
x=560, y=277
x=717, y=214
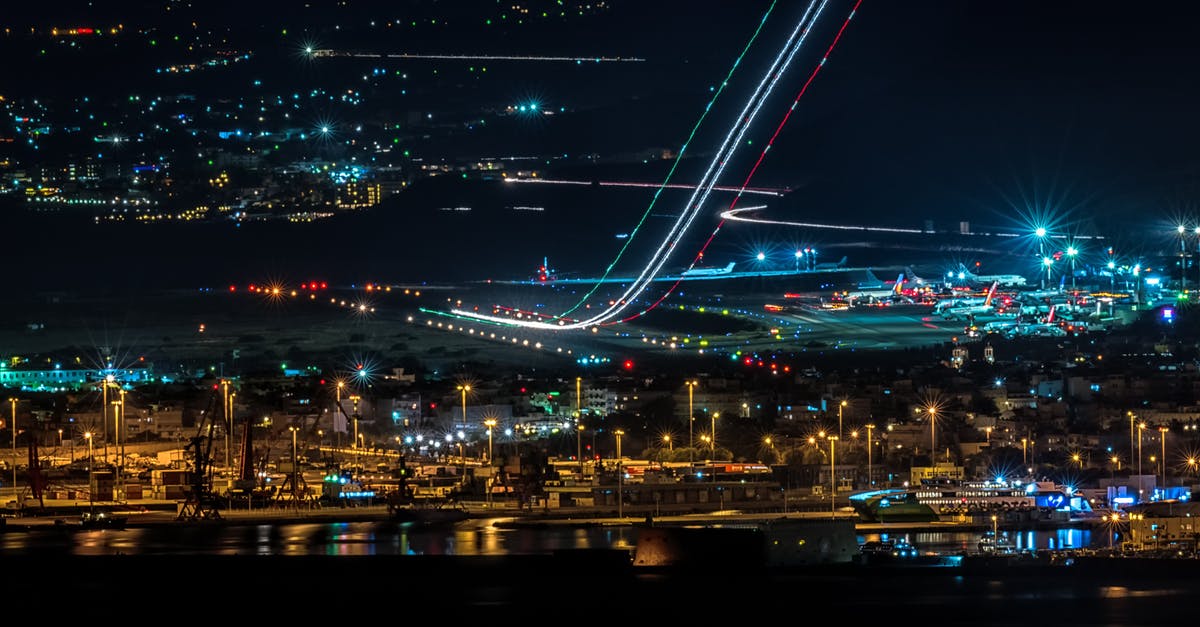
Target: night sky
x=1000, y=113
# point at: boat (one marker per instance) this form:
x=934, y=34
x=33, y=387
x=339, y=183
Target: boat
x=989, y=544
x=944, y=499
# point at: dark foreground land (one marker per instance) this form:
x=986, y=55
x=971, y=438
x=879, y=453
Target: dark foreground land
x=595, y=587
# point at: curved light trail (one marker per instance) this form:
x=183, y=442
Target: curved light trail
x=761, y=157
x=716, y=167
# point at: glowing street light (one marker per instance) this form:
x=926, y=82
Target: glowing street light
x=841, y=406
x=579, y=447
x=1040, y=232
x=490, y=423
x=691, y=385
x=1141, y=428
x=620, y=477
x=833, y=439
x=1182, y=262
x=464, y=389
x=670, y=446
x=1071, y=253
x=13, y=426
x=870, y=476
x=1162, y=438
x=714, y=433
x=1047, y=261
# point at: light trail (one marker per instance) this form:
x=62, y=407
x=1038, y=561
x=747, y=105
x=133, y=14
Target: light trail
x=735, y=215
x=328, y=52
x=765, y=191
x=678, y=160
x=728, y=147
x=761, y=156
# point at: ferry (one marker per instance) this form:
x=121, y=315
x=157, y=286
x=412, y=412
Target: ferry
x=945, y=499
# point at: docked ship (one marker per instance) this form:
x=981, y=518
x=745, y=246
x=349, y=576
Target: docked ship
x=945, y=499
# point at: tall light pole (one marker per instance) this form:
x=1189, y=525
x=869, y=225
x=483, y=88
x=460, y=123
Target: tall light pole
x=1024, y=457
x=295, y=466
x=667, y=439
x=1141, y=428
x=104, y=410
x=620, y=477
x=338, y=434
x=1048, y=261
x=91, y=480
x=490, y=423
x=841, y=405
x=1182, y=262
x=13, y=425
x=1071, y=252
x=228, y=423
x=1132, y=430
x=579, y=447
x=464, y=389
x=832, y=477
x=932, y=432
x=354, y=399
x=1162, y=438
x=714, y=433
x=1041, y=235
x=870, y=476
x=691, y=385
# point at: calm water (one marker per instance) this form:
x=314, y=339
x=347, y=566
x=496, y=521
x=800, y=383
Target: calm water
x=469, y=538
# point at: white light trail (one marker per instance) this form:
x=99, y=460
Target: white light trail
x=327, y=52
x=728, y=147
x=764, y=191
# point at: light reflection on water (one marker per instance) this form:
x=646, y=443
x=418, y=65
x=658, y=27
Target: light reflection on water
x=475, y=537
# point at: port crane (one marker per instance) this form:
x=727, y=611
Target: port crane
x=201, y=503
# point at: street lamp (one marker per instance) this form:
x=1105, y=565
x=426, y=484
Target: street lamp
x=1141, y=428
x=490, y=423
x=714, y=434
x=1162, y=438
x=832, y=477
x=667, y=439
x=932, y=432
x=13, y=401
x=1047, y=261
x=295, y=465
x=1076, y=458
x=579, y=447
x=228, y=421
x=840, y=406
x=354, y=399
x=1041, y=235
x=1132, y=430
x=1071, y=252
x=620, y=477
x=691, y=385
x=1182, y=262
x=870, y=475
x=464, y=389
x=91, y=481
x=1024, y=457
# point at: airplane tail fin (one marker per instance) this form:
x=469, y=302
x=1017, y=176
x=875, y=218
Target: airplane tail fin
x=899, y=286
x=842, y=262
x=991, y=292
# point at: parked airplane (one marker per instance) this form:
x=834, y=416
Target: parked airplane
x=968, y=306
x=1005, y=280
x=830, y=266
x=878, y=295
x=708, y=271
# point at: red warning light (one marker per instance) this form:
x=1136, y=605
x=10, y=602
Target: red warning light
x=233, y=288
x=629, y=364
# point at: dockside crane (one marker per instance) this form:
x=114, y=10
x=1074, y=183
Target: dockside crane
x=201, y=502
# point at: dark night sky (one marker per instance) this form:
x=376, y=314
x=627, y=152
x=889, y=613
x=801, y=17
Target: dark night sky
x=995, y=112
